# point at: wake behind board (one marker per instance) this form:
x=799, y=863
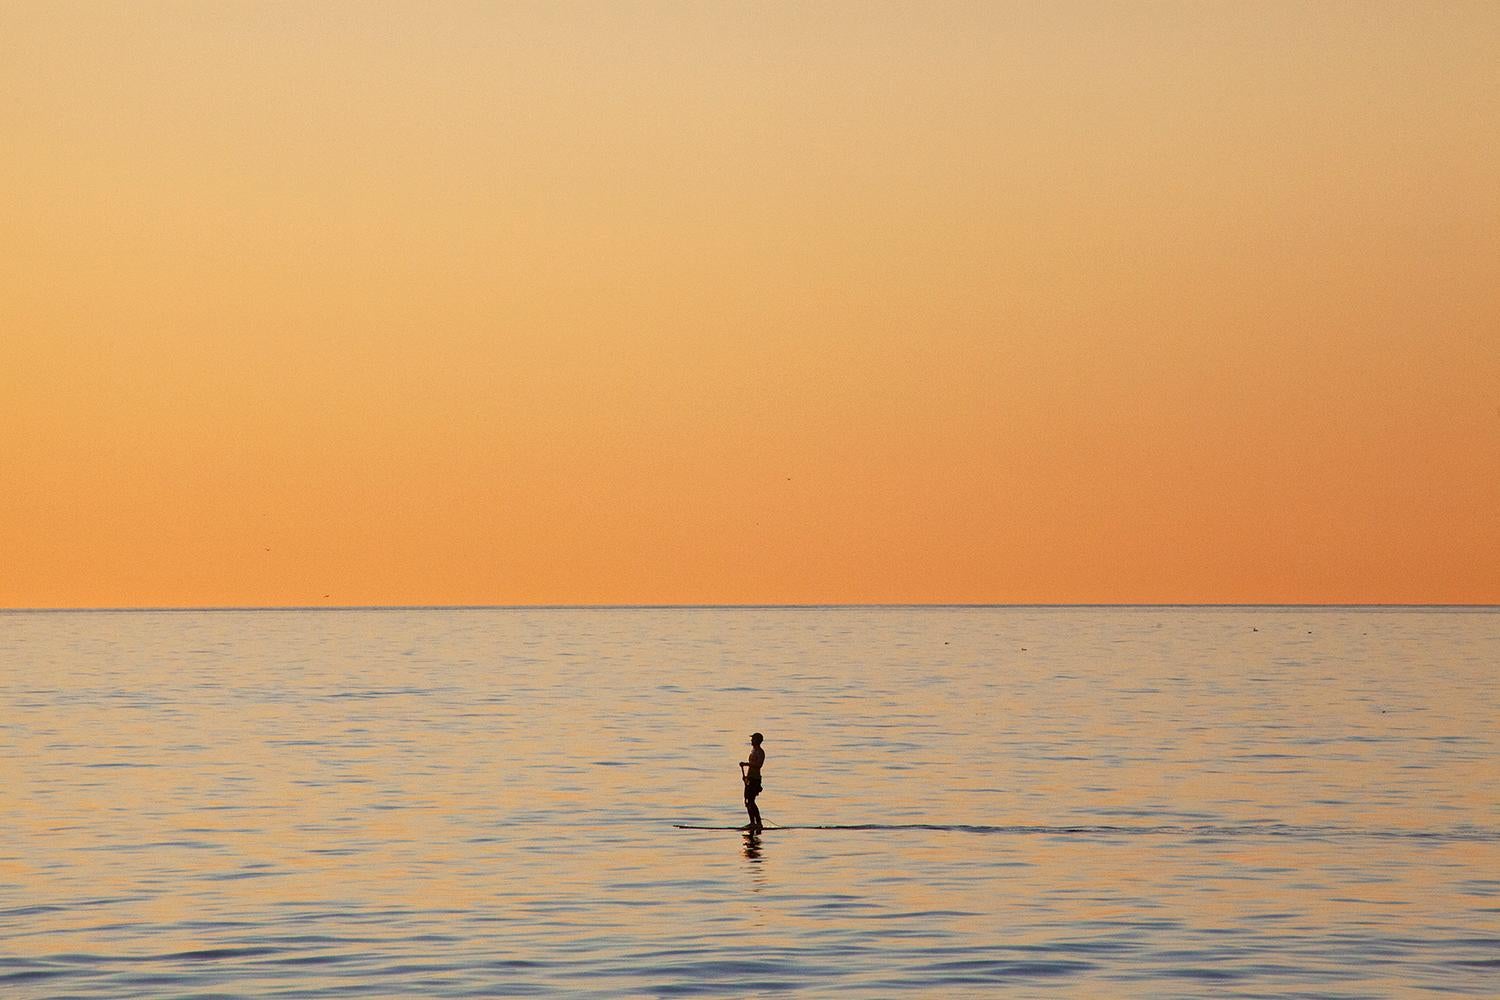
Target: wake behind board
x=1164, y=830
x=970, y=828
x=742, y=828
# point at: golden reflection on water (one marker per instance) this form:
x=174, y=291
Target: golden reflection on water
x=440, y=787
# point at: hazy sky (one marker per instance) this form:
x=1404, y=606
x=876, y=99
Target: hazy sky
x=356, y=303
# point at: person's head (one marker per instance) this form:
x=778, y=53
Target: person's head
x=755, y=739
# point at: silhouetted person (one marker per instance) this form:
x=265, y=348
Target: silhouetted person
x=751, y=778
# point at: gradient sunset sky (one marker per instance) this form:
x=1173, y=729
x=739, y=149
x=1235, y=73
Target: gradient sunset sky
x=374, y=303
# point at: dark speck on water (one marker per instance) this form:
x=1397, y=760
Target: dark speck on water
x=485, y=802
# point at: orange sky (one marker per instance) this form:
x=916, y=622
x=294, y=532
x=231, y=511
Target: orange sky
x=681, y=302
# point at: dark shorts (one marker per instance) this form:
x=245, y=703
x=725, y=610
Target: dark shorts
x=752, y=789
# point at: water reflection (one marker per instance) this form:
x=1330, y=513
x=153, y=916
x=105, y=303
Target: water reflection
x=1105, y=802
x=754, y=861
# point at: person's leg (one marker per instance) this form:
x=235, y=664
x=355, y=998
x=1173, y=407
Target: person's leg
x=754, y=812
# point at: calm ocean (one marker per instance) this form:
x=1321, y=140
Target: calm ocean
x=1090, y=802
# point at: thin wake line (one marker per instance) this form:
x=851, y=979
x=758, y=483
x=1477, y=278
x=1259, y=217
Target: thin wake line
x=1245, y=830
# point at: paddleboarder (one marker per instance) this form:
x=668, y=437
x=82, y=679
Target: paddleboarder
x=750, y=775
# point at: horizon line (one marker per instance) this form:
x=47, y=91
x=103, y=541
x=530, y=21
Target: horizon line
x=878, y=605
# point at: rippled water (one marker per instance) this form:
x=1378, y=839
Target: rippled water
x=1085, y=802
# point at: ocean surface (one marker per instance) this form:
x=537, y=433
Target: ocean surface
x=1027, y=802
